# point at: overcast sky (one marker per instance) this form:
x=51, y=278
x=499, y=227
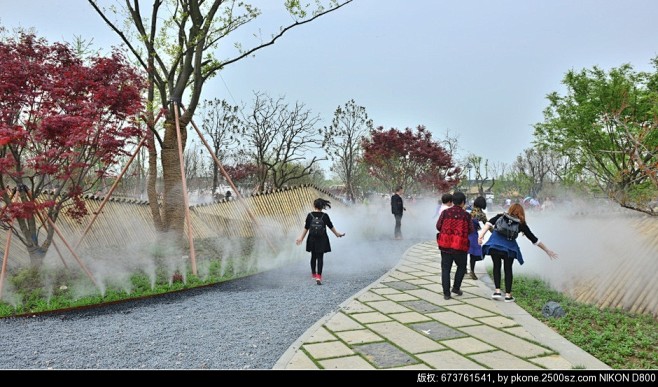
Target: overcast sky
x=478, y=69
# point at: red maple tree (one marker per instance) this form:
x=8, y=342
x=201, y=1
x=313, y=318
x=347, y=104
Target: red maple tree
x=64, y=121
x=243, y=173
x=410, y=159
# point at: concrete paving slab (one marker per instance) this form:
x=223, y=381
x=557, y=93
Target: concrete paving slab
x=425, y=275
x=453, y=319
x=340, y=322
x=433, y=297
x=370, y=317
x=420, y=281
x=449, y=360
x=356, y=306
x=415, y=254
x=468, y=345
x=484, y=303
x=400, y=297
x=355, y=362
x=401, y=285
x=436, y=331
x=360, y=336
x=388, y=306
x=500, y=360
x=520, y=332
x=428, y=269
x=434, y=288
x=321, y=335
x=404, y=268
x=399, y=275
x=404, y=337
x=498, y=321
x=370, y=296
x=553, y=362
x=327, y=350
x=409, y=317
x=469, y=310
x=300, y=361
x=385, y=355
x=503, y=340
x=422, y=306
x=385, y=290
x=417, y=367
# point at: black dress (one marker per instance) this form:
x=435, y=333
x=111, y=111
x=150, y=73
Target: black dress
x=318, y=244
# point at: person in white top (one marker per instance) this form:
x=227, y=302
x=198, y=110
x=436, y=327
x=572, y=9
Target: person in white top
x=446, y=202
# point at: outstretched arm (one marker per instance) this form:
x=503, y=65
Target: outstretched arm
x=337, y=233
x=552, y=254
x=299, y=240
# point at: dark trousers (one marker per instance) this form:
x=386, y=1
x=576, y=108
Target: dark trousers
x=398, y=225
x=460, y=259
x=317, y=259
x=474, y=258
x=509, y=276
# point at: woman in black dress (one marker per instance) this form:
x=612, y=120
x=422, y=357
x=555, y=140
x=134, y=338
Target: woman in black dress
x=317, y=242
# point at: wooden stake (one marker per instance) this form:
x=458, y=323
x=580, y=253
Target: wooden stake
x=186, y=201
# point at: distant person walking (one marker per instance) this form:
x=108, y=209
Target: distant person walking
x=453, y=227
x=474, y=249
x=317, y=243
x=397, y=209
x=504, y=250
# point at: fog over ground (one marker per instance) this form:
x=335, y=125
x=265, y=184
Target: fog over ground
x=249, y=323
x=242, y=324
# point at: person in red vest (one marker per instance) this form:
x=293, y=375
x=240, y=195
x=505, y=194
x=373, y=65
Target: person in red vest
x=453, y=227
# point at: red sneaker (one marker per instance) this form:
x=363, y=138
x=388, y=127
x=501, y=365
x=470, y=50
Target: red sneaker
x=318, y=279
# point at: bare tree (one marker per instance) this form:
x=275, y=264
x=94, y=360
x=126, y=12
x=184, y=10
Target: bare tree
x=342, y=140
x=220, y=122
x=535, y=165
x=451, y=144
x=196, y=170
x=480, y=173
x=278, y=140
x=498, y=169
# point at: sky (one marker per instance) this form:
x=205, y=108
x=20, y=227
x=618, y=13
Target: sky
x=477, y=70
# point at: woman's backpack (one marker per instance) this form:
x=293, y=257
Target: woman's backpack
x=318, y=227
x=508, y=226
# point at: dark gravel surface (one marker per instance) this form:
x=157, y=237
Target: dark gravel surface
x=242, y=324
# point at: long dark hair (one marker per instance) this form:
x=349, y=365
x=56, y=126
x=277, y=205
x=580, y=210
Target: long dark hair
x=480, y=203
x=321, y=204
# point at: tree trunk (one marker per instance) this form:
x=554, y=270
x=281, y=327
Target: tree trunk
x=215, y=178
x=37, y=256
x=151, y=189
x=173, y=203
x=28, y=229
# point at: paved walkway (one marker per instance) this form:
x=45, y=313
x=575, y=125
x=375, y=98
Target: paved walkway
x=402, y=322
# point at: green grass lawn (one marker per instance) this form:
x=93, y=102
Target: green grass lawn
x=618, y=338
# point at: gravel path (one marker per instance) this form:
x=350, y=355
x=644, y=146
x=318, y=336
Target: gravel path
x=242, y=324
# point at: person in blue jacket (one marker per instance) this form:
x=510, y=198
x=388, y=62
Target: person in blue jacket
x=504, y=250
x=474, y=249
